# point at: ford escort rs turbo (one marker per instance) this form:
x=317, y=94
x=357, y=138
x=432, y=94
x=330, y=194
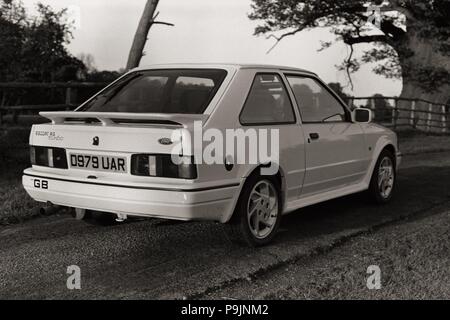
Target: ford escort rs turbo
x=156, y=143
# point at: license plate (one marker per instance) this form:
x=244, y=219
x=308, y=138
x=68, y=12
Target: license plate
x=98, y=163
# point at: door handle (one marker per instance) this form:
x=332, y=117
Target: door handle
x=314, y=136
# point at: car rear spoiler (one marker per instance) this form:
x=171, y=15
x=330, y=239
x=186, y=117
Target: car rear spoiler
x=112, y=118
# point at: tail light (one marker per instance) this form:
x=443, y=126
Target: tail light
x=48, y=157
x=161, y=165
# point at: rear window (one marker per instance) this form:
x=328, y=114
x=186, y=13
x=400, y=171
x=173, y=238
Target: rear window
x=160, y=91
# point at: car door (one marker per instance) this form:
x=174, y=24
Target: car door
x=269, y=107
x=335, y=148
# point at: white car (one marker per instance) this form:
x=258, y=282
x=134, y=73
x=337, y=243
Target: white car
x=116, y=153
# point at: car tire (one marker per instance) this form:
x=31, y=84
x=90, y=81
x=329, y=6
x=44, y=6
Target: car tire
x=258, y=212
x=383, y=181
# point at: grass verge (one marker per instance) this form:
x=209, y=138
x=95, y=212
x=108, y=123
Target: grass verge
x=15, y=204
x=413, y=259
x=416, y=143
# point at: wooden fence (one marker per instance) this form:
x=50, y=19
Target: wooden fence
x=69, y=97
x=404, y=113
x=394, y=112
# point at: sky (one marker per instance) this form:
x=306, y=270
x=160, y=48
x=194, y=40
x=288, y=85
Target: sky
x=205, y=31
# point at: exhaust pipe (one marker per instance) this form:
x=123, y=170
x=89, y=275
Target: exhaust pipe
x=121, y=217
x=80, y=214
x=49, y=209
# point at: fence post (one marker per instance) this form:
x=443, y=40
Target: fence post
x=444, y=119
x=71, y=97
x=413, y=108
x=430, y=109
x=68, y=95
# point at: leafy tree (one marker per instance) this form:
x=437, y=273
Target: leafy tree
x=34, y=48
x=411, y=42
x=12, y=36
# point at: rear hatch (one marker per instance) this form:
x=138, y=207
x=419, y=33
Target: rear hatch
x=112, y=137
x=130, y=125
x=114, y=132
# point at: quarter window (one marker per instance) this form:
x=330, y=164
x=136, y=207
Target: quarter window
x=316, y=103
x=267, y=102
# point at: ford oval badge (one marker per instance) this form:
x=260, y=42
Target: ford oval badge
x=165, y=141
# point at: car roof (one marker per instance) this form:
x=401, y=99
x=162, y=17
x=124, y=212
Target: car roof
x=222, y=65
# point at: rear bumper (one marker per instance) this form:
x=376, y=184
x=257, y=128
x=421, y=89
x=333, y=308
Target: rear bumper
x=213, y=204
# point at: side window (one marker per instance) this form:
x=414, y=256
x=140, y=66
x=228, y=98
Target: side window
x=316, y=103
x=267, y=102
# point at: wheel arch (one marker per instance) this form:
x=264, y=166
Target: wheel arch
x=390, y=147
x=382, y=144
x=279, y=176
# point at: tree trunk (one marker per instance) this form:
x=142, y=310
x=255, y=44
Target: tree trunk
x=140, y=38
x=424, y=55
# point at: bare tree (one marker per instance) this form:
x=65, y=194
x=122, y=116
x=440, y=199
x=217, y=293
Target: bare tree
x=147, y=20
x=88, y=60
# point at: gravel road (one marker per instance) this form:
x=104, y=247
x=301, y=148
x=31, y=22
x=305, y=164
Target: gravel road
x=157, y=259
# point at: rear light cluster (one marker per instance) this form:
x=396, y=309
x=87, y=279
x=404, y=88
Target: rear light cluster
x=48, y=157
x=161, y=165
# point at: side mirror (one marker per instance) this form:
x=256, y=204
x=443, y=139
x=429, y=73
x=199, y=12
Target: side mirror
x=362, y=115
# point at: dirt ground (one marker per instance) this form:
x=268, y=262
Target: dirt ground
x=322, y=251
